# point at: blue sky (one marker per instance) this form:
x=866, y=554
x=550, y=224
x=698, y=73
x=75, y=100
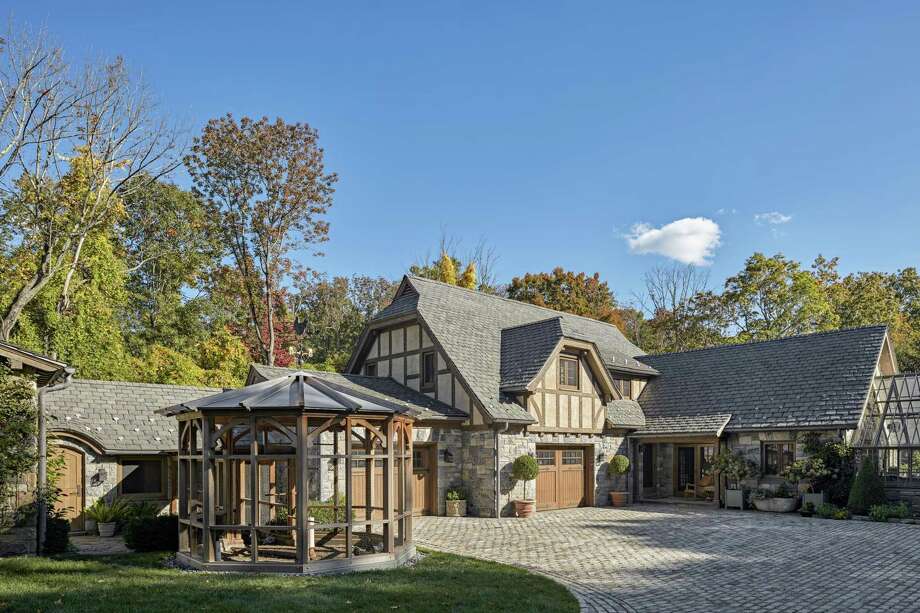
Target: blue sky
x=552, y=130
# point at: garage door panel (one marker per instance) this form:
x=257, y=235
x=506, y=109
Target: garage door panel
x=561, y=482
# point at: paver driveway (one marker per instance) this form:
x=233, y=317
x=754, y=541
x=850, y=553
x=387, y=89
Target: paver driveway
x=664, y=558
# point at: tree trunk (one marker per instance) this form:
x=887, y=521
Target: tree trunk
x=269, y=303
x=25, y=295
x=64, y=301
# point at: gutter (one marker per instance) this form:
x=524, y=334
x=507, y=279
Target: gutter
x=40, y=493
x=498, y=474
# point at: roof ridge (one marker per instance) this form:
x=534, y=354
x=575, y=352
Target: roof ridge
x=144, y=384
x=768, y=341
x=512, y=300
x=533, y=323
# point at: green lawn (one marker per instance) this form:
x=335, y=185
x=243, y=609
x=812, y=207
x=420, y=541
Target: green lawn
x=139, y=582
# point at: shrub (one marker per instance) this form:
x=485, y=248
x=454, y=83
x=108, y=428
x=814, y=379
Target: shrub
x=807, y=471
x=160, y=533
x=807, y=510
x=899, y=511
x=525, y=468
x=57, y=533
x=734, y=466
x=868, y=488
x=618, y=465
x=839, y=460
x=456, y=494
x=118, y=510
x=878, y=512
x=884, y=512
x=826, y=510
x=843, y=513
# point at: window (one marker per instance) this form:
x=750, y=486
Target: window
x=777, y=456
x=572, y=457
x=371, y=370
x=624, y=386
x=546, y=457
x=428, y=371
x=142, y=477
x=568, y=372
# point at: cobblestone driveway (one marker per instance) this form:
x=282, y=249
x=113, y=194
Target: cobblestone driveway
x=664, y=558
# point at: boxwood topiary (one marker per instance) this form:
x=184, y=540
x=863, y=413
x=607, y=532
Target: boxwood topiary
x=618, y=465
x=525, y=468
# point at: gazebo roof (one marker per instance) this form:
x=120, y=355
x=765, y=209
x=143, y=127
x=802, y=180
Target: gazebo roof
x=296, y=391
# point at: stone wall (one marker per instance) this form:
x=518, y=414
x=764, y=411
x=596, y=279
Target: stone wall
x=749, y=445
x=514, y=444
x=18, y=542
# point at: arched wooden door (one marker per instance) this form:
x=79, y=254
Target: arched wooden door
x=72, y=487
x=424, y=479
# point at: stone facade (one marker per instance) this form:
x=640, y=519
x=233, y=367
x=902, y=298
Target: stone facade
x=18, y=542
x=599, y=448
x=749, y=444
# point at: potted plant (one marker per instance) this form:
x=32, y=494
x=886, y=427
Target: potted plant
x=778, y=501
x=616, y=468
x=805, y=472
x=456, y=503
x=736, y=469
x=525, y=468
x=107, y=516
x=807, y=510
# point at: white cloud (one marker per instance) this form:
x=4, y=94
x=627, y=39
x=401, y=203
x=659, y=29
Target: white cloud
x=726, y=211
x=691, y=240
x=773, y=218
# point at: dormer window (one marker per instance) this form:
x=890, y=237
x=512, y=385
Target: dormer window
x=371, y=370
x=568, y=372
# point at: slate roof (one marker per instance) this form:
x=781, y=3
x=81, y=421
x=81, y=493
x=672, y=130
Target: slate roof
x=625, y=414
x=815, y=380
x=525, y=350
x=118, y=416
x=469, y=324
x=684, y=424
x=383, y=389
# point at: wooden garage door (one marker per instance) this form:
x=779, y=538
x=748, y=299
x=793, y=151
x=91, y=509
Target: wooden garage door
x=561, y=482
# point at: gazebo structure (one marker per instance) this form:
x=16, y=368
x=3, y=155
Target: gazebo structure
x=295, y=474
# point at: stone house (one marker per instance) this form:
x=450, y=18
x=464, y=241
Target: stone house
x=490, y=379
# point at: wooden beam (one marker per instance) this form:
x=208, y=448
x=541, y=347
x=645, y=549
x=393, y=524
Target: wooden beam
x=253, y=488
x=348, y=498
x=207, y=487
x=388, y=527
x=302, y=483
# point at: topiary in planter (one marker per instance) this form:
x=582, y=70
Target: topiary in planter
x=868, y=488
x=525, y=468
x=618, y=465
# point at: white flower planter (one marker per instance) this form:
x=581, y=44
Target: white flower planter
x=734, y=499
x=775, y=505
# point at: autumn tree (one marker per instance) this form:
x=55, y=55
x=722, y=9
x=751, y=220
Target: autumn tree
x=168, y=254
x=474, y=270
x=681, y=314
x=71, y=177
x=773, y=297
x=567, y=291
x=331, y=313
x=265, y=188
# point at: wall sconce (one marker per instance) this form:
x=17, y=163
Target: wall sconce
x=98, y=478
x=448, y=456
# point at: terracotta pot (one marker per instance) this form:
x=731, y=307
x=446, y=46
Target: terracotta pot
x=525, y=508
x=107, y=529
x=456, y=508
x=619, y=499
